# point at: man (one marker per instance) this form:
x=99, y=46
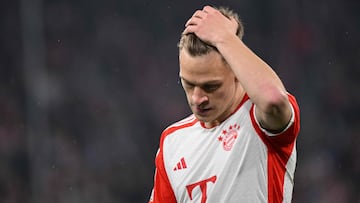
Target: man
x=239, y=143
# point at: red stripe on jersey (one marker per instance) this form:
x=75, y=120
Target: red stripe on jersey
x=162, y=191
x=176, y=127
x=279, y=148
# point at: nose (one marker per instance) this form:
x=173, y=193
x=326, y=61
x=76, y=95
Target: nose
x=198, y=96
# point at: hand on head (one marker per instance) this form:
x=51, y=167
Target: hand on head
x=210, y=25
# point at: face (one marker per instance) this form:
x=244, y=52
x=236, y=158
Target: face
x=210, y=85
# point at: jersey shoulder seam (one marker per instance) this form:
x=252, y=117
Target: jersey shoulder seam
x=184, y=123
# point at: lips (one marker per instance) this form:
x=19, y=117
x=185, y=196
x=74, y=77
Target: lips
x=202, y=110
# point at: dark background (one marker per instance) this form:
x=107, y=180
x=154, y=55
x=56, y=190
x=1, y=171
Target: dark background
x=86, y=87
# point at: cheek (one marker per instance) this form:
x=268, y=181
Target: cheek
x=188, y=96
x=218, y=98
x=223, y=96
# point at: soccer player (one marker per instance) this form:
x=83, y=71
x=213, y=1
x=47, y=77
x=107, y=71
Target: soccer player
x=239, y=143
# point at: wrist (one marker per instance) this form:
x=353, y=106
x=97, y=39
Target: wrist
x=227, y=42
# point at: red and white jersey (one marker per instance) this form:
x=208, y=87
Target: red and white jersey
x=236, y=161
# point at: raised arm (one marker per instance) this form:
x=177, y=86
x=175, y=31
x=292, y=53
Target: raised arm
x=258, y=79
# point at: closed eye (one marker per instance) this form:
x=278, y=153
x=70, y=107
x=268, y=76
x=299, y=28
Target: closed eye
x=211, y=87
x=187, y=84
x=208, y=87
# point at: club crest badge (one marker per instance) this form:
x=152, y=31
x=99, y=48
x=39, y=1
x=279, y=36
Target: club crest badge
x=229, y=136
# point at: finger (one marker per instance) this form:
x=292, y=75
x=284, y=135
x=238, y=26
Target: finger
x=199, y=14
x=235, y=22
x=189, y=22
x=189, y=29
x=208, y=9
x=192, y=21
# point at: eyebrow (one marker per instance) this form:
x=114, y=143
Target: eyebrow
x=210, y=82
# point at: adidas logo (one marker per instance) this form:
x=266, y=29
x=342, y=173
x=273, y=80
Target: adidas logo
x=180, y=165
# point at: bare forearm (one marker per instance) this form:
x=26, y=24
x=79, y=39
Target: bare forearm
x=258, y=79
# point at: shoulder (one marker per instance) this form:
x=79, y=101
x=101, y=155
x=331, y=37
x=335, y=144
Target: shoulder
x=184, y=123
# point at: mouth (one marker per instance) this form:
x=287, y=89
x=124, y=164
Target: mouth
x=202, y=111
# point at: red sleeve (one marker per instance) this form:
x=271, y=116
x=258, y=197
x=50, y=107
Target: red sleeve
x=162, y=190
x=280, y=148
x=290, y=134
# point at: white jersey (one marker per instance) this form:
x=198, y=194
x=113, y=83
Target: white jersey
x=236, y=161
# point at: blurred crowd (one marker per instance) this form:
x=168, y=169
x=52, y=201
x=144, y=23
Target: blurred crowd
x=86, y=89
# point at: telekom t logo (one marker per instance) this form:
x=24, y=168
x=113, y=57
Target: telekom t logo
x=203, y=187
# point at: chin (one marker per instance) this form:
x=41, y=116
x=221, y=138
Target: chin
x=203, y=118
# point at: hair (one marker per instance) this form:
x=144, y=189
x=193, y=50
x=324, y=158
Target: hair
x=196, y=47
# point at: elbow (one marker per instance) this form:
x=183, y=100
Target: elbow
x=276, y=102
x=274, y=110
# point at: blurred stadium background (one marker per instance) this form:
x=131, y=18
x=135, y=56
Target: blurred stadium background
x=86, y=87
